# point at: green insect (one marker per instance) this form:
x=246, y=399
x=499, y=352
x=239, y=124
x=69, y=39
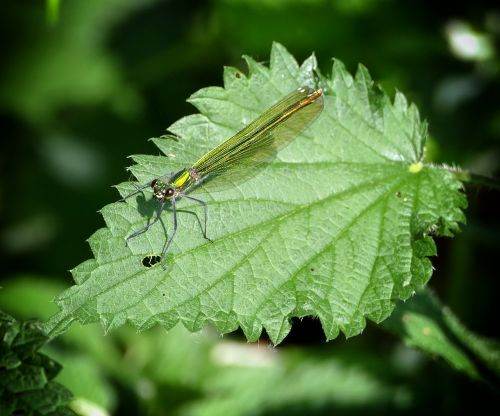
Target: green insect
x=236, y=159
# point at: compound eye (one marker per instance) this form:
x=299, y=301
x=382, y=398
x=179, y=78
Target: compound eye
x=153, y=183
x=169, y=192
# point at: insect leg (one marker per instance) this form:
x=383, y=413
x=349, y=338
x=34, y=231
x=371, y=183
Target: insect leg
x=205, y=211
x=138, y=191
x=169, y=241
x=148, y=225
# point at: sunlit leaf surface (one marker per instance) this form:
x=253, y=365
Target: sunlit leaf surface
x=337, y=227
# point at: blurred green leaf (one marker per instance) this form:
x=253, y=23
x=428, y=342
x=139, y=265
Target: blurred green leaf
x=68, y=64
x=174, y=358
x=84, y=376
x=26, y=376
x=337, y=227
x=423, y=322
x=92, y=356
x=53, y=7
x=30, y=296
x=257, y=380
x=174, y=361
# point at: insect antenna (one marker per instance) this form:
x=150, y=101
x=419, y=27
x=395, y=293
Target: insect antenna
x=139, y=190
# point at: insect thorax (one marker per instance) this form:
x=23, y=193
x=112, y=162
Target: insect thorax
x=185, y=178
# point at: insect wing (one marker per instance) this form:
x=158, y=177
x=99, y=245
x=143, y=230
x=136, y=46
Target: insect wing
x=242, y=155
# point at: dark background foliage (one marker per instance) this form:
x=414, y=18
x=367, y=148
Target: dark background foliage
x=80, y=93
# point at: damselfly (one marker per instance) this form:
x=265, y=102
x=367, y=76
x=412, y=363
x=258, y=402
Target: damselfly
x=237, y=158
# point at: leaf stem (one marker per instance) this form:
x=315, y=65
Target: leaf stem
x=475, y=179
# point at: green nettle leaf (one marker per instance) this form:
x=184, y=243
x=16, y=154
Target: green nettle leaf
x=425, y=323
x=26, y=375
x=337, y=227
x=294, y=382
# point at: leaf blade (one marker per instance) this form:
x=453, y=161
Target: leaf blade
x=337, y=227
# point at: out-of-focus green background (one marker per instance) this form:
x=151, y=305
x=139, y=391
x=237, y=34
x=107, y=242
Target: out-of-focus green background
x=85, y=84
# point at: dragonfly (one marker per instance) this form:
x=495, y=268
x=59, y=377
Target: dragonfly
x=236, y=159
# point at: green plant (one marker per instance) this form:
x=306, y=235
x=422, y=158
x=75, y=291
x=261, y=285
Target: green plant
x=340, y=227
x=26, y=375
